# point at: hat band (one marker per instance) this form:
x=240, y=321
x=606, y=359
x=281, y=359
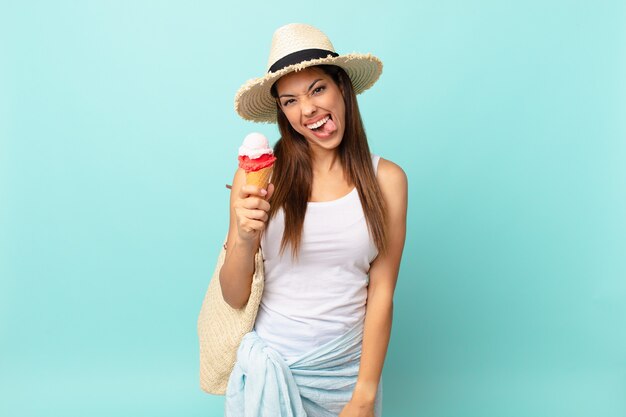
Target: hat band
x=300, y=56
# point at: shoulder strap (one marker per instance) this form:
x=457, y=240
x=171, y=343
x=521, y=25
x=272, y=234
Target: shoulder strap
x=375, y=160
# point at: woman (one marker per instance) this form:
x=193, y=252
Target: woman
x=332, y=228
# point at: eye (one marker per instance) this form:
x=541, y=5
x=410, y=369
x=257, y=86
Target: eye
x=319, y=89
x=288, y=102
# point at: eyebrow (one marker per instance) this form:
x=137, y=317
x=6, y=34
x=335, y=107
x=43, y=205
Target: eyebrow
x=309, y=89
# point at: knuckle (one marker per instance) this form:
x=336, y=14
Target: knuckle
x=253, y=203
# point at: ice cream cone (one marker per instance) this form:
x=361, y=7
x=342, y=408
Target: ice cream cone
x=260, y=178
x=257, y=159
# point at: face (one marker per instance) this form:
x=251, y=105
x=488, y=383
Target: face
x=314, y=106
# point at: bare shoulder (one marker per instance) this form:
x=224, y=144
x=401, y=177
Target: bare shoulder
x=394, y=188
x=391, y=177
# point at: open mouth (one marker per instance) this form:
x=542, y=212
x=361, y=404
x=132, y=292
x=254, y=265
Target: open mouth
x=323, y=128
x=319, y=124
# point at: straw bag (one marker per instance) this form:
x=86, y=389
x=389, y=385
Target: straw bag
x=221, y=327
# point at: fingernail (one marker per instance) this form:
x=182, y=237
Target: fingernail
x=263, y=191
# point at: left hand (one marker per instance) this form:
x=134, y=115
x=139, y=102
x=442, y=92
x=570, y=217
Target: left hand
x=354, y=409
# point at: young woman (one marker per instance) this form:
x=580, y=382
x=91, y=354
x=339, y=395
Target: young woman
x=331, y=227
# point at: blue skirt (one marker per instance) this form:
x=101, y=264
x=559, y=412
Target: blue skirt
x=318, y=384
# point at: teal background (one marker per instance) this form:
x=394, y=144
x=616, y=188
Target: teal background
x=117, y=135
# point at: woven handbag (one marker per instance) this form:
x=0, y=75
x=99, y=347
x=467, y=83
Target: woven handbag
x=221, y=327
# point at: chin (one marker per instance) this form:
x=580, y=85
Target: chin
x=329, y=144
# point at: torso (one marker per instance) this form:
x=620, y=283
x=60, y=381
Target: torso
x=317, y=297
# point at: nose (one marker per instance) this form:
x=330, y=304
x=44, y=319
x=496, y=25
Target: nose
x=308, y=107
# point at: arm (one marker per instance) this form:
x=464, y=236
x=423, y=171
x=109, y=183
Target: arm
x=383, y=277
x=248, y=217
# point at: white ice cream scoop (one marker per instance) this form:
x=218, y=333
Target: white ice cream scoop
x=254, y=145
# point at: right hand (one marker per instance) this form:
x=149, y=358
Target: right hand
x=251, y=209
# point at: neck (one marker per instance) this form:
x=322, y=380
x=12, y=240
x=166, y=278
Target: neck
x=324, y=161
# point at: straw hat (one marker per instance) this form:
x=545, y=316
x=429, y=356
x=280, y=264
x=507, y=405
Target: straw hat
x=294, y=47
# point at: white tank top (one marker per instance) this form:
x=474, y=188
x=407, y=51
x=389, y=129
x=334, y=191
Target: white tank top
x=319, y=296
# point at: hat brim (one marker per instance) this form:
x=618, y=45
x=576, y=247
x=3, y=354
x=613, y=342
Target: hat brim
x=254, y=101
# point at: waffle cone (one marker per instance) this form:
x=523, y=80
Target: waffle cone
x=260, y=178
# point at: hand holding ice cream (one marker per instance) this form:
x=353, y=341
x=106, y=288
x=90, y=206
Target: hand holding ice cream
x=251, y=205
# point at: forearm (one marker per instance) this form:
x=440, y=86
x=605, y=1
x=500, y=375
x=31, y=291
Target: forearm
x=376, y=335
x=237, y=271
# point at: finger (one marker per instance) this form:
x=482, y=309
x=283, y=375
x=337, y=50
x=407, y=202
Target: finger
x=252, y=226
x=252, y=203
x=258, y=215
x=254, y=190
x=251, y=214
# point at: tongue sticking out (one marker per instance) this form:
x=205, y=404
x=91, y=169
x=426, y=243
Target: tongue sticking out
x=329, y=127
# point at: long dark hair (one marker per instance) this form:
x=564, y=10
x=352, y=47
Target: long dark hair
x=293, y=174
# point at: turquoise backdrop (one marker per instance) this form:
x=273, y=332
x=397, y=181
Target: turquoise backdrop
x=117, y=136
